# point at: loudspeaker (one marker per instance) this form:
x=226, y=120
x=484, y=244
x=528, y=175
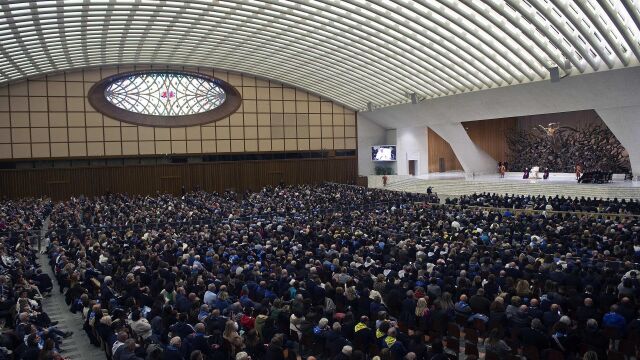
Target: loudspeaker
x=370, y=106
x=554, y=74
x=414, y=98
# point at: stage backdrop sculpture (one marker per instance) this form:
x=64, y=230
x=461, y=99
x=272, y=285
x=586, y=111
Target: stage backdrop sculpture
x=559, y=148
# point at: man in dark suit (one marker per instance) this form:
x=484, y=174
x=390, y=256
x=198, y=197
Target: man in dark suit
x=479, y=303
x=172, y=351
x=534, y=335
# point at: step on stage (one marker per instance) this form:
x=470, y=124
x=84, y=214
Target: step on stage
x=563, y=184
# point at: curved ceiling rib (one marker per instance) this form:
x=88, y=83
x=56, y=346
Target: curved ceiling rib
x=351, y=51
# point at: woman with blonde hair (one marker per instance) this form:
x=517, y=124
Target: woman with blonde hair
x=523, y=289
x=232, y=336
x=422, y=314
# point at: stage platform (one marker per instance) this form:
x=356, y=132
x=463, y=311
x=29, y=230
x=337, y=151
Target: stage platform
x=453, y=184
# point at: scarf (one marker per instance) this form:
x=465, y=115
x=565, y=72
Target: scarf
x=389, y=341
x=360, y=326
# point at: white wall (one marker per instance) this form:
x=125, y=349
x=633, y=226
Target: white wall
x=609, y=92
x=473, y=159
x=369, y=134
x=625, y=124
x=412, y=145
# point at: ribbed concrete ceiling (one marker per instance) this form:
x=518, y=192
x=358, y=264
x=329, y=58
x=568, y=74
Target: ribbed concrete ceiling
x=351, y=51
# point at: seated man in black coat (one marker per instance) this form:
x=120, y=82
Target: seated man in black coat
x=534, y=335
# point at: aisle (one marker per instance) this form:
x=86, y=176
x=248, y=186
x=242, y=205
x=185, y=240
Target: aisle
x=78, y=345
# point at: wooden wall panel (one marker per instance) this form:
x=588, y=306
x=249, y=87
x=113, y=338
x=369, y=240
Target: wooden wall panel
x=490, y=135
x=440, y=148
x=62, y=183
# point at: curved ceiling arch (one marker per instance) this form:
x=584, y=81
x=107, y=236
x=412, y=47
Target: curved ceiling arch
x=354, y=52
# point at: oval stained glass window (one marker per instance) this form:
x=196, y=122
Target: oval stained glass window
x=164, y=98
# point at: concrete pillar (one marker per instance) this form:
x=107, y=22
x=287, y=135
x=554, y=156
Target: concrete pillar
x=474, y=160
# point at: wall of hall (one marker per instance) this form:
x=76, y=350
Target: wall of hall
x=491, y=135
x=50, y=117
x=61, y=183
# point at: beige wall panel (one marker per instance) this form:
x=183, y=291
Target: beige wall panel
x=163, y=133
x=194, y=147
x=290, y=144
x=264, y=119
x=264, y=145
x=301, y=95
x=236, y=120
x=77, y=134
x=129, y=133
x=19, y=103
x=55, y=88
x=112, y=134
x=350, y=131
x=95, y=134
x=315, y=132
x=327, y=144
x=350, y=143
x=147, y=148
x=55, y=109
x=208, y=146
x=78, y=149
x=237, y=133
x=39, y=135
x=39, y=119
x=129, y=148
x=290, y=132
x=248, y=106
x=38, y=103
x=179, y=147
x=277, y=132
x=146, y=133
x=75, y=89
x=193, y=133
x=113, y=148
x=263, y=106
x=208, y=132
x=60, y=150
x=163, y=147
x=264, y=132
x=303, y=144
x=19, y=119
x=222, y=132
x=224, y=146
x=58, y=134
x=21, y=151
x=4, y=103
x=263, y=94
x=303, y=132
x=250, y=132
x=75, y=104
x=95, y=148
x=289, y=107
x=314, y=107
x=5, y=119
x=288, y=94
x=40, y=150
x=277, y=144
x=37, y=88
x=19, y=89
x=338, y=144
x=20, y=135
x=74, y=76
x=178, y=134
x=315, y=144
x=237, y=145
x=78, y=119
x=57, y=104
x=58, y=119
x=5, y=151
x=5, y=136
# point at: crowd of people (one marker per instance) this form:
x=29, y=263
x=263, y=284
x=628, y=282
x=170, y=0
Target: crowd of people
x=27, y=332
x=344, y=272
x=554, y=203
